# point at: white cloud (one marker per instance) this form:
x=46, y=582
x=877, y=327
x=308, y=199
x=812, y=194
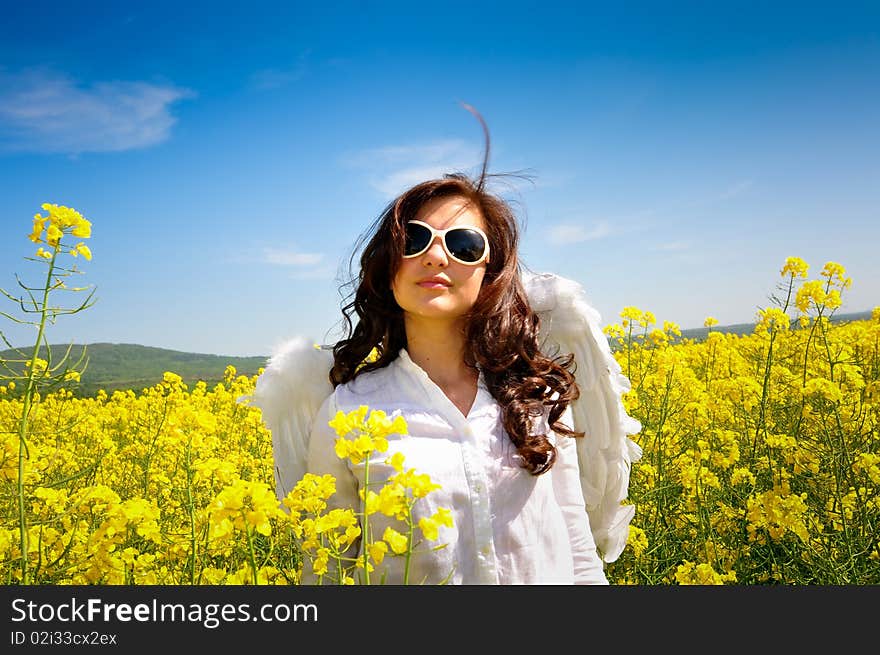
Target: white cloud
x=445, y=151
x=280, y=257
x=320, y=273
x=563, y=234
x=393, y=169
x=45, y=111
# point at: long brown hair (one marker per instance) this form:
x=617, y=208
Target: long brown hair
x=502, y=330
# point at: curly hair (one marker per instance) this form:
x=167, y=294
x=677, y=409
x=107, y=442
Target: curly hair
x=502, y=333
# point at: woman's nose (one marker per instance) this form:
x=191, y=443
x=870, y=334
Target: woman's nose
x=435, y=253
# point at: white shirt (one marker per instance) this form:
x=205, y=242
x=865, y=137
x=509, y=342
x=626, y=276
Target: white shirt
x=509, y=526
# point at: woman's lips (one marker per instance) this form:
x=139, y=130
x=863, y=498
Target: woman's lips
x=434, y=282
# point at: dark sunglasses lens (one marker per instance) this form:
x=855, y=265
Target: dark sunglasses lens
x=417, y=238
x=465, y=244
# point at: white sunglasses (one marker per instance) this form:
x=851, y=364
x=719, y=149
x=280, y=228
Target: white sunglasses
x=466, y=244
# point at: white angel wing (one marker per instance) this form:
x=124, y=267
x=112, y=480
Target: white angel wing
x=605, y=453
x=289, y=392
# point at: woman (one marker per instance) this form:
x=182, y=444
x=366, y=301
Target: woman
x=441, y=300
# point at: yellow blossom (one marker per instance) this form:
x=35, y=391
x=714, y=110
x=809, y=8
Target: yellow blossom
x=836, y=273
x=377, y=551
x=395, y=540
x=39, y=225
x=429, y=528
x=795, y=267
x=82, y=249
x=810, y=292
x=396, y=461
x=53, y=235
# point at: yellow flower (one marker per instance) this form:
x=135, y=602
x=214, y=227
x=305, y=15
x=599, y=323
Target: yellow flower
x=319, y=564
x=397, y=541
x=772, y=319
x=83, y=229
x=795, y=266
x=82, y=249
x=370, y=434
x=377, y=551
x=443, y=516
x=832, y=300
x=691, y=573
x=62, y=216
x=710, y=321
x=396, y=461
x=671, y=328
x=342, y=448
x=429, y=528
x=637, y=540
x=40, y=365
x=371, y=501
x=341, y=424
x=421, y=484
x=824, y=388
x=658, y=337
x=833, y=270
x=391, y=500
x=53, y=235
x=39, y=224
x=742, y=475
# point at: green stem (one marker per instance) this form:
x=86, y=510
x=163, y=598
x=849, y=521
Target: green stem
x=807, y=346
x=366, y=536
x=409, y=544
x=765, y=392
x=252, y=557
x=191, y=510
x=23, y=424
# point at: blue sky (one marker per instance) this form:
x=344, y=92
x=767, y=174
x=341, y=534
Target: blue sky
x=229, y=155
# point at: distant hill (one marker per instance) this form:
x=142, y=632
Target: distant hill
x=113, y=366
x=699, y=334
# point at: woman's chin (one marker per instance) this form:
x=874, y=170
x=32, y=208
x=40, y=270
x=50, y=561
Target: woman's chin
x=437, y=310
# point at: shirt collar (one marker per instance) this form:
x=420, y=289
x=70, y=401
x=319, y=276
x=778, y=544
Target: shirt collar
x=483, y=401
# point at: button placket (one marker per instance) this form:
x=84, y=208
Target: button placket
x=475, y=472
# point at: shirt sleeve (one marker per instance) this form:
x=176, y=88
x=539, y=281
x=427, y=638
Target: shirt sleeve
x=322, y=460
x=588, y=567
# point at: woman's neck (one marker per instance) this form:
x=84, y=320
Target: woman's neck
x=438, y=349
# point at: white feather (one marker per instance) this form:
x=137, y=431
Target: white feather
x=605, y=453
x=289, y=393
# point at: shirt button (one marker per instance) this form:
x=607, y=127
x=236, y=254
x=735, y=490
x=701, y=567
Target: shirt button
x=486, y=550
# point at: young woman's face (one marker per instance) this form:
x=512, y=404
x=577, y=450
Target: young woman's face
x=459, y=284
